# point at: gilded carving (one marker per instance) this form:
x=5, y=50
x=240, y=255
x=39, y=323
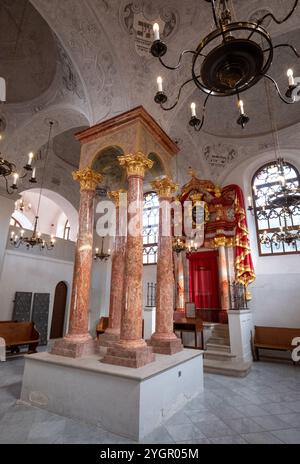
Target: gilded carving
x=164, y=187
x=135, y=164
x=115, y=196
x=87, y=178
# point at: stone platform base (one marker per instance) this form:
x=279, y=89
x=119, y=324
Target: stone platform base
x=128, y=402
x=72, y=349
x=166, y=346
x=135, y=357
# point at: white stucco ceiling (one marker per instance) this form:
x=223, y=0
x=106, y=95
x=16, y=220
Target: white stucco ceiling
x=101, y=71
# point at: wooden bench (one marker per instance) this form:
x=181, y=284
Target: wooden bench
x=189, y=324
x=274, y=338
x=18, y=334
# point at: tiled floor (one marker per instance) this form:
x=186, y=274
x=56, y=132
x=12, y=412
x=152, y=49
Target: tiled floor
x=261, y=408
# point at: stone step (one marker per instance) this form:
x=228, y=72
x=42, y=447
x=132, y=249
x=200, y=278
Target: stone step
x=233, y=368
x=220, y=331
x=218, y=355
x=218, y=347
x=219, y=340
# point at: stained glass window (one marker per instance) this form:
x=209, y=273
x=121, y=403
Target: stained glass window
x=150, y=227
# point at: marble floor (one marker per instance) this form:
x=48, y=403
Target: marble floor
x=261, y=408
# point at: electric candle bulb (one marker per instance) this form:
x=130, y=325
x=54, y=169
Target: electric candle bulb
x=22, y=233
x=16, y=177
x=255, y=190
x=250, y=201
x=193, y=108
x=16, y=238
x=156, y=31
x=33, y=173
x=241, y=105
x=39, y=234
x=30, y=158
x=108, y=251
x=290, y=75
x=12, y=235
x=159, y=84
x=97, y=250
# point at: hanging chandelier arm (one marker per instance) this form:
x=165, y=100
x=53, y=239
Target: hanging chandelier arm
x=213, y=5
x=7, y=187
x=198, y=128
x=282, y=20
x=178, y=95
x=288, y=102
x=284, y=45
x=173, y=68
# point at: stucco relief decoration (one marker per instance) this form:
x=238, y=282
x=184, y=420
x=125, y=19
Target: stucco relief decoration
x=138, y=18
x=69, y=77
x=219, y=155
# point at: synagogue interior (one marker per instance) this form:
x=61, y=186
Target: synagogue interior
x=149, y=222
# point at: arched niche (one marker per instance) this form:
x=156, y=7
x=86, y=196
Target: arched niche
x=106, y=162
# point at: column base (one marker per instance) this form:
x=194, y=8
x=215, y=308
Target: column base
x=73, y=347
x=109, y=338
x=129, y=355
x=165, y=346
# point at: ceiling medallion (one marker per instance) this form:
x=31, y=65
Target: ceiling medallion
x=228, y=61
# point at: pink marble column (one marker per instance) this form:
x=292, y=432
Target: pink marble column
x=112, y=333
x=78, y=342
x=180, y=301
x=220, y=242
x=164, y=340
x=132, y=350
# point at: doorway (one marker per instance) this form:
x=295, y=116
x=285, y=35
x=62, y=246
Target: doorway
x=59, y=310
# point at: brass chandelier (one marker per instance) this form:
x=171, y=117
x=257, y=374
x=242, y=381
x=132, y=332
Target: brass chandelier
x=36, y=239
x=230, y=60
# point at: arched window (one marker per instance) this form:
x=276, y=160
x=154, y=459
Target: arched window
x=15, y=223
x=275, y=212
x=150, y=227
x=67, y=230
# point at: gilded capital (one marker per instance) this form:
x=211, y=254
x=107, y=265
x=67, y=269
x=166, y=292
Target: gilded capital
x=165, y=187
x=223, y=241
x=115, y=196
x=135, y=164
x=87, y=178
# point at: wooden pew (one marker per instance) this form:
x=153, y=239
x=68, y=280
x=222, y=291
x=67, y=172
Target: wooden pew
x=274, y=338
x=18, y=334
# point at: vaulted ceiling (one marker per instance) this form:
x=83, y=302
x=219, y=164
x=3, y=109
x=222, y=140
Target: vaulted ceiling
x=81, y=62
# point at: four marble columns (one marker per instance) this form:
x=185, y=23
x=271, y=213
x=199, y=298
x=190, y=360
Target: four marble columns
x=123, y=337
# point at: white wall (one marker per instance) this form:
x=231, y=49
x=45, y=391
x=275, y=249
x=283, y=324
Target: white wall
x=6, y=209
x=36, y=272
x=276, y=290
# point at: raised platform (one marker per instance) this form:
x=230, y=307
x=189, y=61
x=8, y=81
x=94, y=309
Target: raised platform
x=129, y=402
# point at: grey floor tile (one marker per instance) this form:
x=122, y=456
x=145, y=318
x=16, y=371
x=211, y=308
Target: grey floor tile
x=244, y=425
x=184, y=433
x=262, y=438
x=199, y=416
x=276, y=408
x=294, y=406
x=161, y=436
x=215, y=428
x=196, y=441
x=252, y=410
x=293, y=419
x=181, y=417
x=238, y=440
x=289, y=436
x=270, y=422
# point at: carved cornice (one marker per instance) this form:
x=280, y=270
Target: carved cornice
x=223, y=241
x=135, y=164
x=138, y=114
x=165, y=187
x=114, y=196
x=87, y=178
